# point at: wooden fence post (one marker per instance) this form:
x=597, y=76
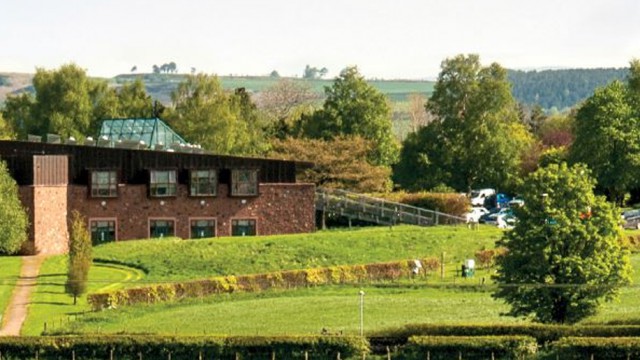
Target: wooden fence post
x=428, y=355
x=73, y=355
x=388, y=353
x=442, y=257
x=111, y=354
x=273, y=355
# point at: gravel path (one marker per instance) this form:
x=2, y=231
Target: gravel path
x=17, y=309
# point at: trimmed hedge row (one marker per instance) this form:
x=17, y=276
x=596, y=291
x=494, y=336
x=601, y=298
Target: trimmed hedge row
x=468, y=347
x=258, y=282
x=175, y=348
x=448, y=203
x=544, y=334
x=597, y=348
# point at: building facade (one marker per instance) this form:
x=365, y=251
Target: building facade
x=129, y=194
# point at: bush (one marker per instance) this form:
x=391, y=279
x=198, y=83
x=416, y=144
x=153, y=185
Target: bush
x=597, y=348
x=486, y=258
x=448, y=203
x=159, y=347
x=544, y=334
x=14, y=224
x=469, y=347
x=258, y=282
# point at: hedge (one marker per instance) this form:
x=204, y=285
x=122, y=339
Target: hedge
x=468, y=347
x=597, y=348
x=175, y=348
x=544, y=334
x=448, y=203
x=258, y=282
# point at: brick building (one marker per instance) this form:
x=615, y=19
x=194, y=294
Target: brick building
x=127, y=193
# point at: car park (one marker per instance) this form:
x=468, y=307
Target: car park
x=631, y=219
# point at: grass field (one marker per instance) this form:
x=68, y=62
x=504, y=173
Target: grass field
x=192, y=259
x=303, y=311
x=51, y=305
x=9, y=272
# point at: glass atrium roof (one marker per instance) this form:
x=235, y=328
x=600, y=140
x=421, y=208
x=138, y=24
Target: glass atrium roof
x=154, y=132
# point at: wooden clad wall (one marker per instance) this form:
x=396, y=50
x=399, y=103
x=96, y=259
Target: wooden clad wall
x=50, y=170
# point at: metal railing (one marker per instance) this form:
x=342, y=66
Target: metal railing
x=379, y=211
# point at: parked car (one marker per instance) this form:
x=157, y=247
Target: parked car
x=505, y=214
x=516, y=201
x=478, y=197
x=631, y=219
x=475, y=213
x=498, y=200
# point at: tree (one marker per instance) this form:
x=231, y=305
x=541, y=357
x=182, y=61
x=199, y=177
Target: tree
x=353, y=107
x=564, y=255
x=17, y=113
x=476, y=139
x=80, y=257
x=339, y=163
x=417, y=113
x=14, y=224
x=284, y=104
x=274, y=74
x=63, y=105
x=312, y=73
x=6, y=132
x=134, y=68
x=224, y=123
x=607, y=139
x=156, y=69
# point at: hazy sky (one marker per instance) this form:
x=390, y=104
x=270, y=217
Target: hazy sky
x=386, y=39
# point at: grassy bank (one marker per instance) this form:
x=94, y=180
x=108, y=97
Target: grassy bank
x=193, y=259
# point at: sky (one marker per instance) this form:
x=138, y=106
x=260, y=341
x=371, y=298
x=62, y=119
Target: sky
x=399, y=39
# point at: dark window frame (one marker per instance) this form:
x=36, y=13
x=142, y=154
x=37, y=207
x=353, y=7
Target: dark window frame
x=234, y=223
x=193, y=221
x=195, y=184
x=155, y=186
x=168, y=220
x=111, y=186
x=239, y=187
x=94, y=229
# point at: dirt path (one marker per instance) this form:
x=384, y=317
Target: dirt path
x=17, y=309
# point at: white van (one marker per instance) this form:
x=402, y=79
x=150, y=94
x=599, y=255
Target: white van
x=478, y=196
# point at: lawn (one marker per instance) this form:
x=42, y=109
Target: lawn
x=193, y=259
x=302, y=312
x=10, y=271
x=51, y=305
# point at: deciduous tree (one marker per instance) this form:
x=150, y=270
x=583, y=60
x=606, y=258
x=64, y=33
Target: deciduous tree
x=607, y=139
x=564, y=255
x=476, y=139
x=14, y=224
x=80, y=257
x=353, y=107
x=224, y=123
x=284, y=104
x=338, y=163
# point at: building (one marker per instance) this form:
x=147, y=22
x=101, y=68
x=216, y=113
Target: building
x=129, y=193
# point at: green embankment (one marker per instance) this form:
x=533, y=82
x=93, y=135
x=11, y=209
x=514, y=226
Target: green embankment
x=169, y=260
x=9, y=273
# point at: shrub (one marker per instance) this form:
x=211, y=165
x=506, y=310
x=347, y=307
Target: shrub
x=597, y=348
x=159, y=347
x=543, y=333
x=258, y=282
x=468, y=347
x=448, y=203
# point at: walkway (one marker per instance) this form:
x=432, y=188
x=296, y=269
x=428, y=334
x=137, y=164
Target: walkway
x=17, y=309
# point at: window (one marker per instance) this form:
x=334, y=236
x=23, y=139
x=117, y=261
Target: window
x=161, y=228
x=162, y=183
x=203, y=228
x=104, y=184
x=243, y=227
x=244, y=182
x=103, y=231
x=203, y=183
